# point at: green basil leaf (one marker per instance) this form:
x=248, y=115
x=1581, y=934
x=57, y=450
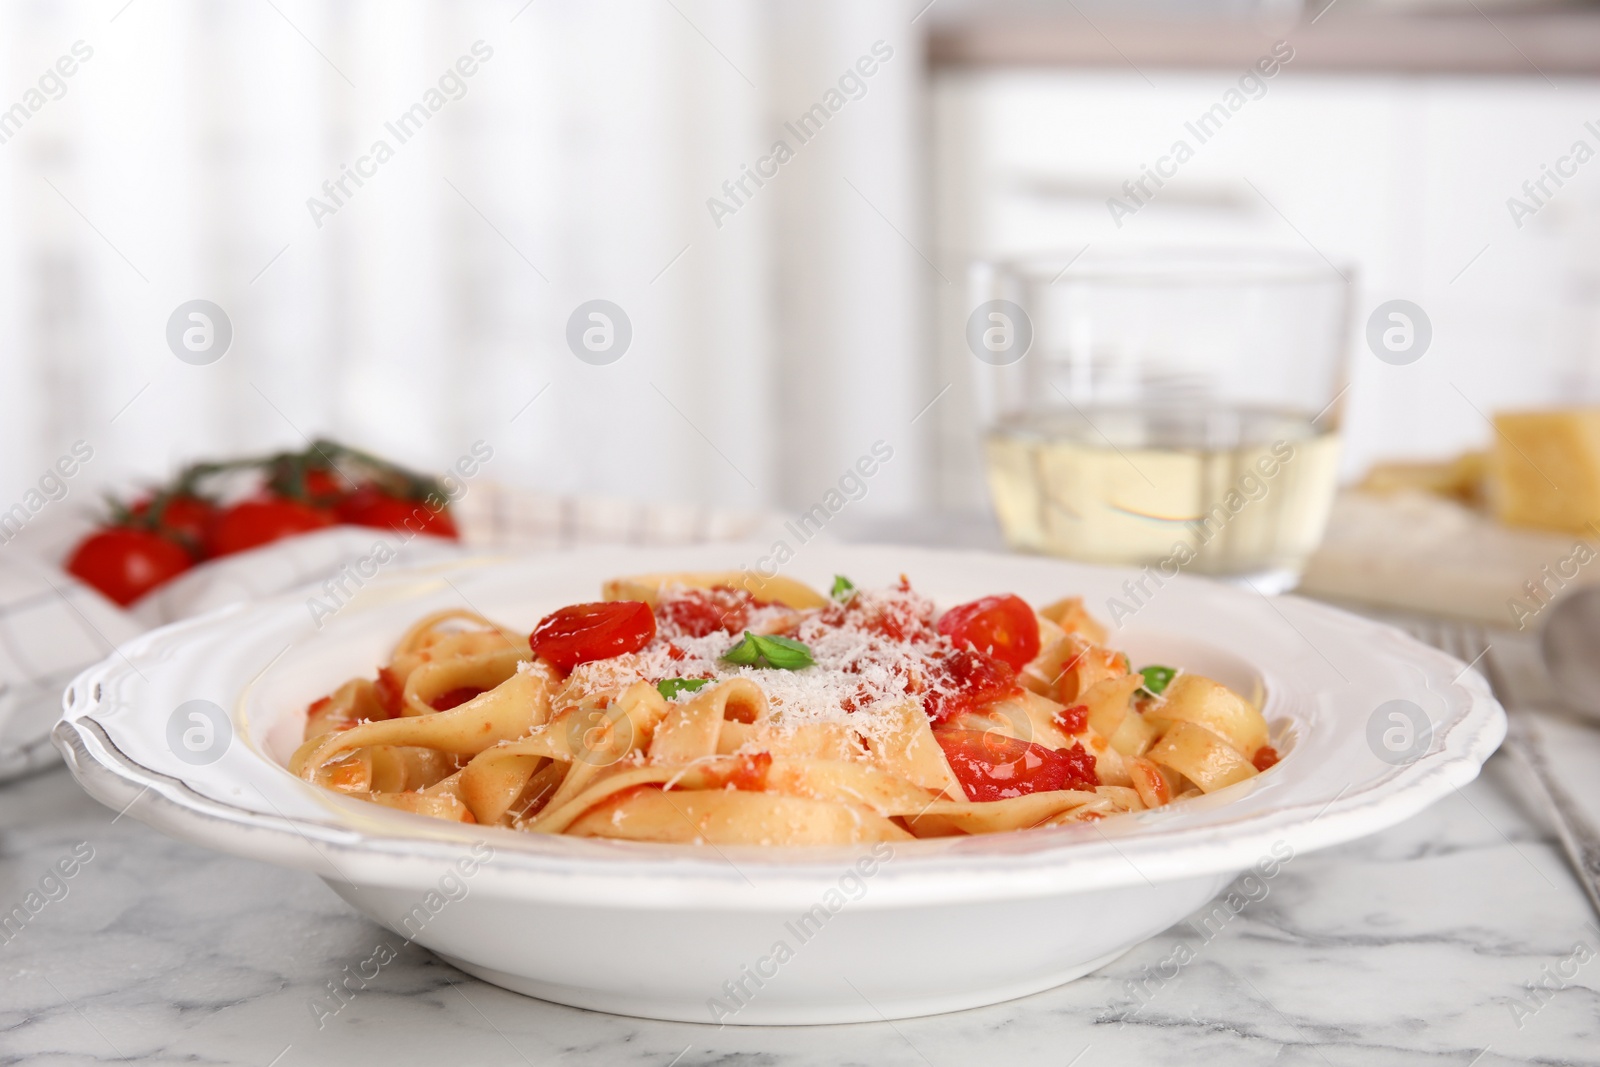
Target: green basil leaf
x=843, y=588
x=745, y=653
x=1156, y=679
x=671, y=687
x=783, y=652
x=767, y=650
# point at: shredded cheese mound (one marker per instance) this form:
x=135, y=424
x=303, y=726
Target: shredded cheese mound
x=871, y=654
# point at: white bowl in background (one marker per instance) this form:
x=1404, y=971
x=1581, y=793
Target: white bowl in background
x=694, y=933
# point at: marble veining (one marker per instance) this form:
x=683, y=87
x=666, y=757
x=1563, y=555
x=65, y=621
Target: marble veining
x=1410, y=947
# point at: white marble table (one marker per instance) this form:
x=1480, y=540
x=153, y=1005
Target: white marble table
x=1408, y=947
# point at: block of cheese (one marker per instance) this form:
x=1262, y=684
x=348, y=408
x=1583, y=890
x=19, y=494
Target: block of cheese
x=1544, y=469
x=1460, y=479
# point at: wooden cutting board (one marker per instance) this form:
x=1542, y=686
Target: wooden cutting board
x=1421, y=553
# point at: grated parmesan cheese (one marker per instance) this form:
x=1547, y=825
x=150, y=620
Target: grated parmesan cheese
x=870, y=656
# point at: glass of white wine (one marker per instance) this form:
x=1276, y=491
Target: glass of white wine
x=1176, y=410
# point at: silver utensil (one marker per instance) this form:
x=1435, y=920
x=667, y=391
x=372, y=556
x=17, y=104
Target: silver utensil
x=1570, y=645
x=1580, y=838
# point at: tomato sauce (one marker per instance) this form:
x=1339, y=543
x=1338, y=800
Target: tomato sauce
x=452, y=698
x=1074, y=720
x=389, y=692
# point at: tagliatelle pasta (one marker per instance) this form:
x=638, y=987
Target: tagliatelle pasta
x=716, y=708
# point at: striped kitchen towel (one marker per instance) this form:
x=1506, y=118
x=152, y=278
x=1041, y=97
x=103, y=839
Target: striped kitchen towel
x=52, y=626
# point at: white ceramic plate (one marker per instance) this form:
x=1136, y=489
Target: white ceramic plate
x=777, y=936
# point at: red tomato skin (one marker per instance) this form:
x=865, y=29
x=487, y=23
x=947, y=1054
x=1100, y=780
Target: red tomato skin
x=188, y=519
x=252, y=523
x=703, y=612
x=1266, y=757
x=894, y=620
x=1001, y=626
x=368, y=506
x=966, y=680
x=581, y=633
x=325, y=488
x=992, y=766
x=1073, y=720
x=1081, y=773
x=125, y=564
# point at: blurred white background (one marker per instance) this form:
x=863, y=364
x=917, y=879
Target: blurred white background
x=431, y=308
x=768, y=352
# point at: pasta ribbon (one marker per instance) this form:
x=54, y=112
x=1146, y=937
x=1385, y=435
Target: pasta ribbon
x=504, y=713
x=886, y=728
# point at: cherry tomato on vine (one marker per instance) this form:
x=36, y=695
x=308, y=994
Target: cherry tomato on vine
x=251, y=523
x=584, y=632
x=370, y=506
x=125, y=564
x=188, y=519
x=325, y=488
x=1000, y=626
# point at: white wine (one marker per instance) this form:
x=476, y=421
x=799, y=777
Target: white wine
x=1236, y=491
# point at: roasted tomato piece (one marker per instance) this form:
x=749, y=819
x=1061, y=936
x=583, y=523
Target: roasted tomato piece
x=965, y=680
x=1001, y=626
x=584, y=632
x=252, y=523
x=991, y=766
x=703, y=612
x=1073, y=720
x=125, y=564
x=907, y=619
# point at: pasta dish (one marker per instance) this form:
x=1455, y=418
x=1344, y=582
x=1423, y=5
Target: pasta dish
x=726, y=708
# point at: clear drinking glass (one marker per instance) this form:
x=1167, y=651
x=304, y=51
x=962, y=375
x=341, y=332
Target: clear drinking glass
x=1171, y=409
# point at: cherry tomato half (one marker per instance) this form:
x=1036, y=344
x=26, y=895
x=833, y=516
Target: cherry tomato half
x=1001, y=626
x=584, y=632
x=992, y=766
x=251, y=523
x=125, y=564
x=369, y=506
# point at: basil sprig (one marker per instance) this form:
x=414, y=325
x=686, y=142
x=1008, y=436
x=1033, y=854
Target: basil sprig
x=843, y=589
x=1156, y=679
x=769, y=650
x=671, y=687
